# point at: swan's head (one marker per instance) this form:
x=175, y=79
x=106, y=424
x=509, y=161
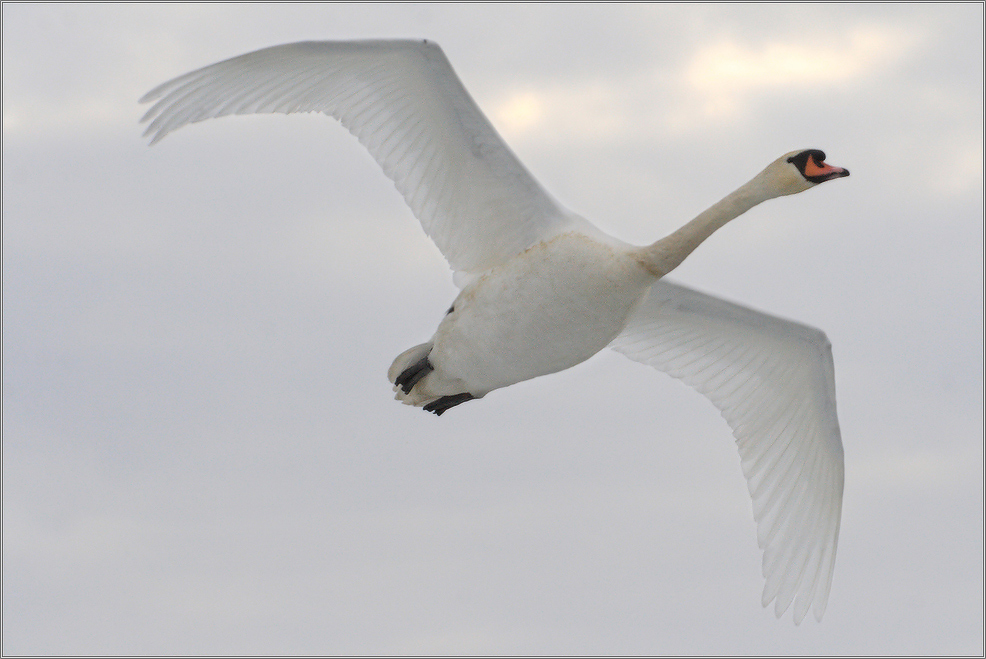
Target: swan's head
x=799, y=170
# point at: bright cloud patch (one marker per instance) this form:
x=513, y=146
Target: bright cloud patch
x=723, y=74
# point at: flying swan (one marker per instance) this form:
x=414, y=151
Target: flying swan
x=542, y=289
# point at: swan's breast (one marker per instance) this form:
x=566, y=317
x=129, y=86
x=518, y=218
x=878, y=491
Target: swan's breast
x=551, y=307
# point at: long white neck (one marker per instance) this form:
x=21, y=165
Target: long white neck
x=667, y=253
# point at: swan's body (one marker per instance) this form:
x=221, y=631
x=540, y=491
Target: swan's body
x=549, y=308
x=543, y=290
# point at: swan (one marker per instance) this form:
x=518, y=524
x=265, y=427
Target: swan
x=542, y=289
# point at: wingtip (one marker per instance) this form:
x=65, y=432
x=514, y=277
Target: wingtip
x=155, y=135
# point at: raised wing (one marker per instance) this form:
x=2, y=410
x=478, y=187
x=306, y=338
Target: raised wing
x=403, y=101
x=774, y=382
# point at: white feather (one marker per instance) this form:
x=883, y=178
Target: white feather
x=405, y=104
x=774, y=382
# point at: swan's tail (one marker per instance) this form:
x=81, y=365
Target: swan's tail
x=409, y=368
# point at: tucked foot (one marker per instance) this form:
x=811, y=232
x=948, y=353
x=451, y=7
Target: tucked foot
x=445, y=402
x=410, y=375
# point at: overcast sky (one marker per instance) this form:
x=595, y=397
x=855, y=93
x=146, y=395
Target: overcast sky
x=201, y=453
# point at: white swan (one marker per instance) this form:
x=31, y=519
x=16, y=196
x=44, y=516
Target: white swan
x=542, y=289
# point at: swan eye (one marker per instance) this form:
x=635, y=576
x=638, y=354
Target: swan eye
x=802, y=159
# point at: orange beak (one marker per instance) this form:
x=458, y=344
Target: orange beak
x=822, y=171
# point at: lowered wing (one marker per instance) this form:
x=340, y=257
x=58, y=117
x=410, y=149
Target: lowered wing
x=774, y=382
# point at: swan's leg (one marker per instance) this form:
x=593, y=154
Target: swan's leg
x=410, y=375
x=445, y=402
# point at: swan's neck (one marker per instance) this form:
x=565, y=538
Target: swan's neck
x=667, y=253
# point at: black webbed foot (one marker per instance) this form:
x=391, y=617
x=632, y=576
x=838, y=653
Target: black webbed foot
x=410, y=375
x=445, y=402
